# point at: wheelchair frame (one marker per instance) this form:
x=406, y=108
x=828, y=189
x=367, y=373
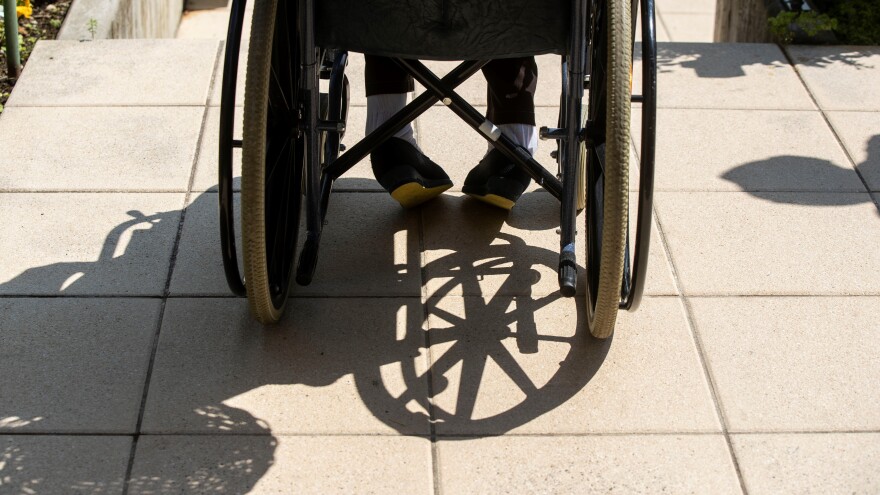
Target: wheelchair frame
x=322, y=120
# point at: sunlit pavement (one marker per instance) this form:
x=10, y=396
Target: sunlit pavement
x=432, y=354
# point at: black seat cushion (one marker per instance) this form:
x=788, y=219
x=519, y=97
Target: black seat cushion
x=444, y=29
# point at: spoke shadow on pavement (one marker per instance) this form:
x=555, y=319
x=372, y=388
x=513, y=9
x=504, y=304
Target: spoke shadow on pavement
x=223, y=389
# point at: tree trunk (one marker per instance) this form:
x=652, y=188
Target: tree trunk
x=741, y=21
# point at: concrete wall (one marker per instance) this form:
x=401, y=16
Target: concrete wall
x=120, y=19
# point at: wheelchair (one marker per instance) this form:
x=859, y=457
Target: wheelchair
x=291, y=142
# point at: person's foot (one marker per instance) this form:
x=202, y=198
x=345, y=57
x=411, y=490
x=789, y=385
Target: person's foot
x=496, y=180
x=405, y=172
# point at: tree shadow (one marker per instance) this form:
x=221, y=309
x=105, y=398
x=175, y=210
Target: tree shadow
x=731, y=59
x=800, y=170
x=358, y=365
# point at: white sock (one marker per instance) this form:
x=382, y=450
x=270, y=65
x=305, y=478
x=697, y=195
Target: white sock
x=381, y=108
x=524, y=135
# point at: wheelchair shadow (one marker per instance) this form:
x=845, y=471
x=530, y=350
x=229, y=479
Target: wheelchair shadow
x=357, y=365
x=753, y=176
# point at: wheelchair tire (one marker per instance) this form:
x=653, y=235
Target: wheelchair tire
x=272, y=159
x=607, y=191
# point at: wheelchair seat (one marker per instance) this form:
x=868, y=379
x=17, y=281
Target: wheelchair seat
x=445, y=29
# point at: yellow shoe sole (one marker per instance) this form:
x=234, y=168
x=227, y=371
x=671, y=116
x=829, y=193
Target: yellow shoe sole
x=495, y=200
x=413, y=194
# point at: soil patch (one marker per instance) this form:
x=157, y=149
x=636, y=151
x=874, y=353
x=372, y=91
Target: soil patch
x=43, y=25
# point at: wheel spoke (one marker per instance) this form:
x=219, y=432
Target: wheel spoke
x=513, y=370
x=469, y=385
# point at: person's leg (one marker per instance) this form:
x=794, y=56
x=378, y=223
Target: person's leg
x=387, y=86
x=398, y=164
x=511, y=106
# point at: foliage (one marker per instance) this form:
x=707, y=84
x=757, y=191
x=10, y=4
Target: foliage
x=786, y=24
x=853, y=22
x=858, y=21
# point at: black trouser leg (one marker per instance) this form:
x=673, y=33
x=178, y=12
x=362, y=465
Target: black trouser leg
x=511, y=90
x=511, y=86
x=383, y=77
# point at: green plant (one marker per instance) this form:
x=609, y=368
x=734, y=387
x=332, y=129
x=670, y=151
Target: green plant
x=786, y=24
x=93, y=27
x=859, y=21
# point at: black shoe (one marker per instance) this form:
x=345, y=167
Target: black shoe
x=497, y=181
x=405, y=172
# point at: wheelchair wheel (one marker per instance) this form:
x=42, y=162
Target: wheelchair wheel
x=272, y=159
x=607, y=161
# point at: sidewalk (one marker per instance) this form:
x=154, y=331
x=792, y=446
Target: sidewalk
x=433, y=354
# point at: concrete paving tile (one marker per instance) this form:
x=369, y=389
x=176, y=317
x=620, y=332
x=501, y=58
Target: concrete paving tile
x=132, y=72
x=370, y=247
x=205, y=175
x=750, y=150
x=725, y=75
x=198, y=266
x=527, y=365
x=86, y=244
x=840, y=77
x=214, y=96
x=686, y=6
x=74, y=365
x=860, y=133
x=689, y=27
x=809, y=463
x=359, y=178
x=332, y=366
x=63, y=464
x=450, y=142
x=774, y=371
x=472, y=248
x=772, y=243
x=107, y=149
x=303, y=465
x=592, y=464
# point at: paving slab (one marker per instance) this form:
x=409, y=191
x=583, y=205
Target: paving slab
x=771, y=243
x=591, y=464
x=359, y=178
x=216, y=91
x=860, y=133
x=331, y=366
x=809, y=463
x=99, y=149
x=74, y=365
x=748, y=150
x=472, y=248
x=793, y=363
x=689, y=26
x=686, y=6
x=457, y=148
x=370, y=247
x=725, y=75
x=104, y=72
x=205, y=175
x=63, y=464
x=840, y=77
x=86, y=244
x=527, y=366
x=306, y=465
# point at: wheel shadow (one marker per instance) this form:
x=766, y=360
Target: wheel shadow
x=224, y=392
